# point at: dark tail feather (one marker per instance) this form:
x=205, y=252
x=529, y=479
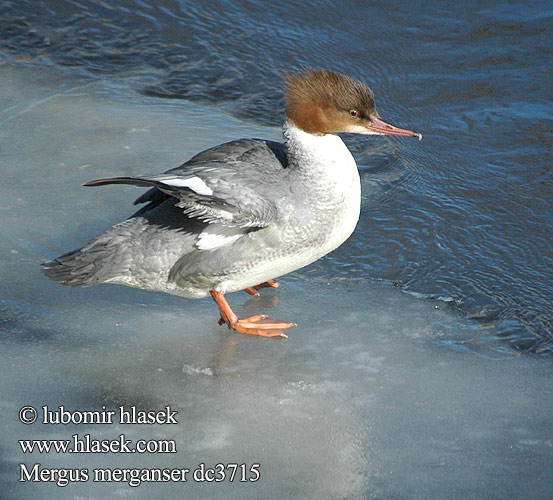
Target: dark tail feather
x=133, y=181
x=85, y=266
x=70, y=270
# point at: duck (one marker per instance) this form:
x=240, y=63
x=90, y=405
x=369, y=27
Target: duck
x=241, y=214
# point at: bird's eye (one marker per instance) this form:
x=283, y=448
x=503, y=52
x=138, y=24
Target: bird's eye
x=353, y=112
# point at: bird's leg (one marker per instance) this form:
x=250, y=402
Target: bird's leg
x=255, y=325
x=268, y=284
x=252, y=290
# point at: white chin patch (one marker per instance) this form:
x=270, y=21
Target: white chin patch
x=359, y=129
x=217, y=236
x=194, y=183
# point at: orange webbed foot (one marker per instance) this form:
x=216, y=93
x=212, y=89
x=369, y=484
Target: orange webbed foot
x=255, y=325
x=267, y=284
x=263, y=326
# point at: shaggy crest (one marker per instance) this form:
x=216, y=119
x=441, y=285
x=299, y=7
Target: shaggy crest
x=321, y=101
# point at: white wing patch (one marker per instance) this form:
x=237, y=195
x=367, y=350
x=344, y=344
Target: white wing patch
x=194, y=183
x=217, y=236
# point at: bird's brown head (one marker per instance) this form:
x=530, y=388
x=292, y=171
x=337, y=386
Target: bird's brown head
x=323, y=102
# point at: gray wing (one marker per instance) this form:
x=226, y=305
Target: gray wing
x=244, y=150
x=244, y=153
x=220, y=185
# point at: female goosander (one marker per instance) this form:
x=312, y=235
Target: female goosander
x=240, y=214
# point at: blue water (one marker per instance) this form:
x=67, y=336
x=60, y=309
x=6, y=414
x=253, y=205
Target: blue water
x=421, y=364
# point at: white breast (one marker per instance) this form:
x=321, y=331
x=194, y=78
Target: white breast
x=322, y=213
x=326, y=167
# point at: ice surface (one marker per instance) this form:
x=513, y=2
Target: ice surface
x=376, y=394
